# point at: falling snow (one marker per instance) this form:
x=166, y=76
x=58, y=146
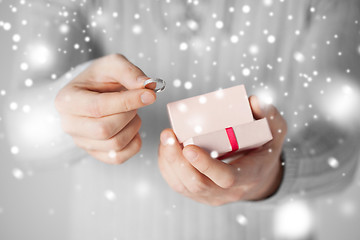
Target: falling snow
x=246, y=9
x=271, y=39
x=177, y=83
x=110, y=195
x=18, y=173
x=333, y=162
x=242, y=220
x=192, y=61
x=183, y=46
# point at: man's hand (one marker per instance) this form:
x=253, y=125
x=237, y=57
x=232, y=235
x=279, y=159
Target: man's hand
x=99, y=108
x=254, y=175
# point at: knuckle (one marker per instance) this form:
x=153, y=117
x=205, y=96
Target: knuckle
x=198, y=187
x=116, y=143
x=94, y=107
x=126, y=103
x=132, y=68
x=103, y=131
x=60, y=101
x=138, y=121
x=104, y=78
x=204, y=168
x=178, y=187
x=115, y=158
x=120, y=160
x=137, y=143
x=229, y=181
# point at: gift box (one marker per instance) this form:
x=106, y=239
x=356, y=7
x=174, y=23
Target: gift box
x=220, y=122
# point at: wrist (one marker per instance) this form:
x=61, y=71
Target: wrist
x=272, y=182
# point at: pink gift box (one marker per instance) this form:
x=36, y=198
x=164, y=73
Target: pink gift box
x=219, y=122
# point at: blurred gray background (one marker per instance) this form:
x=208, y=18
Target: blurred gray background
x=35, y=205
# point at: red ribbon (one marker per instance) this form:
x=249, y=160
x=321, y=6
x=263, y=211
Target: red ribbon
x=232, y=139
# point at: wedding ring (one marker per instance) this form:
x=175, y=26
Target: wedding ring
x=160, y=84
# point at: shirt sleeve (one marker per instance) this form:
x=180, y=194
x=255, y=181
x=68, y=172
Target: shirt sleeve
x=53, y=45
x=322, y=150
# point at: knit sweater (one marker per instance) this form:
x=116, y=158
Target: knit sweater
x=302, y=56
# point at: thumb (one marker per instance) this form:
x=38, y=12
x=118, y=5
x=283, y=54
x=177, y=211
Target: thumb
x=116, y=68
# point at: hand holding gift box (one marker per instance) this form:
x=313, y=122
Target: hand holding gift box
x=220, y=122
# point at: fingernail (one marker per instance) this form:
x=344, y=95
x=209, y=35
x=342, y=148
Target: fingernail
x=147, y=98
x=191, y=155
x=167, y=139
x=262, y=104
x=142, y=78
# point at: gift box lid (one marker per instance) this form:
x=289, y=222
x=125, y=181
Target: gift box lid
x=209, y=112
x=248, y=136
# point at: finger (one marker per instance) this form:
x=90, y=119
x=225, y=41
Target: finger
x=278, y=126
x=276, y=122
x=119, y=157
x=116, y=68
x=125, y=101
x=99, y=87
x=220, y=173
x=170, y=151
x=81, y=102
x=170, y=176
x=116, y=143
x=96, y=128
x=256, y=107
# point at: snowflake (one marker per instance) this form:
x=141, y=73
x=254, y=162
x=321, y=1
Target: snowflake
x=241, y=219
x=110, y=195
x=13, y=106
x=214, y=154
x=219, y=24
x=183, y=46
x=299, y=57
x=7, y=26
x=137, y=29
x=18, y=173
x=177, y=83
x=188, y=85
x=268, y=2
x=333, y=162
x=246, y=72
x=246, y=9
x=16, y=38
x=24, y=66
x=28, y=82
x=271, y=39
x=234, y=38
x=254, y=49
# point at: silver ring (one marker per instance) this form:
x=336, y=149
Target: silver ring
x=158, y=81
